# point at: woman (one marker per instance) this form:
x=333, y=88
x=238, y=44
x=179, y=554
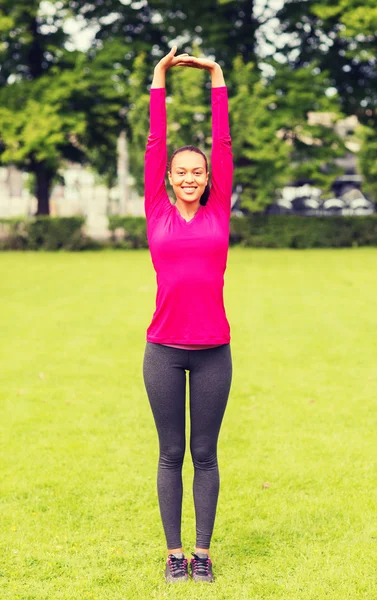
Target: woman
x=189, y=331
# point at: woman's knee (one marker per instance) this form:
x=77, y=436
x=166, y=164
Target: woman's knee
x=171, y=457
x=204, y=455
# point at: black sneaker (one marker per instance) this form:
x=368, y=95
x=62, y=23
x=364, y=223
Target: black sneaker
x=201, y=567
x=176, y=568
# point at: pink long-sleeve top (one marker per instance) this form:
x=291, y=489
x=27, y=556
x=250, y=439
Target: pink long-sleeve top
x=189, y=257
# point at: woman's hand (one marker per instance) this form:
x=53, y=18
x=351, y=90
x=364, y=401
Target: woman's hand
x=170, y=60
x=209, y=65
x=201, y=63
x=185, y=60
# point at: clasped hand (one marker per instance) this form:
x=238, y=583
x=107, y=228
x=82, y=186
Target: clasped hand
x=185, y=60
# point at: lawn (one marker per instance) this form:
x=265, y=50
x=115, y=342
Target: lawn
x=297, y=514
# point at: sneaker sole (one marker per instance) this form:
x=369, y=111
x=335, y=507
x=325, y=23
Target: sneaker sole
x=203, y=579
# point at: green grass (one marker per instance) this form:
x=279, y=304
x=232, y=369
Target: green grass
x=297, y=514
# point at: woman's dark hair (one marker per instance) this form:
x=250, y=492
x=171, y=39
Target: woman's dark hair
x=204, y=197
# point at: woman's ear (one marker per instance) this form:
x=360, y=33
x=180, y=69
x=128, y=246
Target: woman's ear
x=169, y=177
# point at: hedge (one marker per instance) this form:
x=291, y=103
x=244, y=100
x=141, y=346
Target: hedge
x=44, y=233
x=293, y=231
x=261, y=231
x=128, y=232
x=270, y=231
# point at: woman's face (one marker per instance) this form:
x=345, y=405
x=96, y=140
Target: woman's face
x=188, y=176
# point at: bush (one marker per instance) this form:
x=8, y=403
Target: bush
x=268, y=231
x=292, y=231
x=53, y=233
x=13, y=234
x=44, y=233
x=258, y=231
x=128, y=232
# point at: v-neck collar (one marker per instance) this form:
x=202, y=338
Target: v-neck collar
x=183, y=219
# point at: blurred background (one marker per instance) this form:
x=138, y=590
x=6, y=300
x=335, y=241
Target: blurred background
x=74, y=82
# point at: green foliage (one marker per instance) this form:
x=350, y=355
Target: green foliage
x=14, y=233
x=31, y=39
x=273, y=142
x=137, y=119
x=103, y=101
x=368, y=160
x=35, y=124
x=261, y=158
x=223, y=29
x=54, y=233
x=358, y=16
x=56, y=104
x=44, y=233
x=269, y=231
x=341, y=38
x=314, y=147
x=259, y=231
x=128, y=232
x=291, y=231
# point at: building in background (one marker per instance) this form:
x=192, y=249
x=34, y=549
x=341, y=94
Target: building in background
x=78, y=193
x=347, y=199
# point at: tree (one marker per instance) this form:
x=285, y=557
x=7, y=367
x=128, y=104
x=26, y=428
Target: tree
x=261, y=157
x=223, y=29
x=55, y=104
x=273, y=141
x=368, y=160
x=36, y=130
x=137, y=118
x=315, y=146
x=341, y=38
x=58, y=104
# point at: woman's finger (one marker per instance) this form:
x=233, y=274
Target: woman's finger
x=185, y=64
x=182, y=57
x=189, y=60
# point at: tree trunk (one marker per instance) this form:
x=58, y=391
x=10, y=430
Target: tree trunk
x=123, y=168
x=44, y=177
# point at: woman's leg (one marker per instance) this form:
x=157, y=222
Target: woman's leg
x=165, y=382
x=210, y=381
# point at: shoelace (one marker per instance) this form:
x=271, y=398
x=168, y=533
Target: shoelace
x=201, y=565
x=177, y=566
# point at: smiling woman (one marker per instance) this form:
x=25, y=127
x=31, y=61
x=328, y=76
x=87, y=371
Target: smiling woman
x=189, y=331
x=188, y=175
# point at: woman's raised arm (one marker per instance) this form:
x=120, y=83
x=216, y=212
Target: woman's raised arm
x=155, y=162
x=221, y=155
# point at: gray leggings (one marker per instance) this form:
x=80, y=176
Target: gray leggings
x=210, y=375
